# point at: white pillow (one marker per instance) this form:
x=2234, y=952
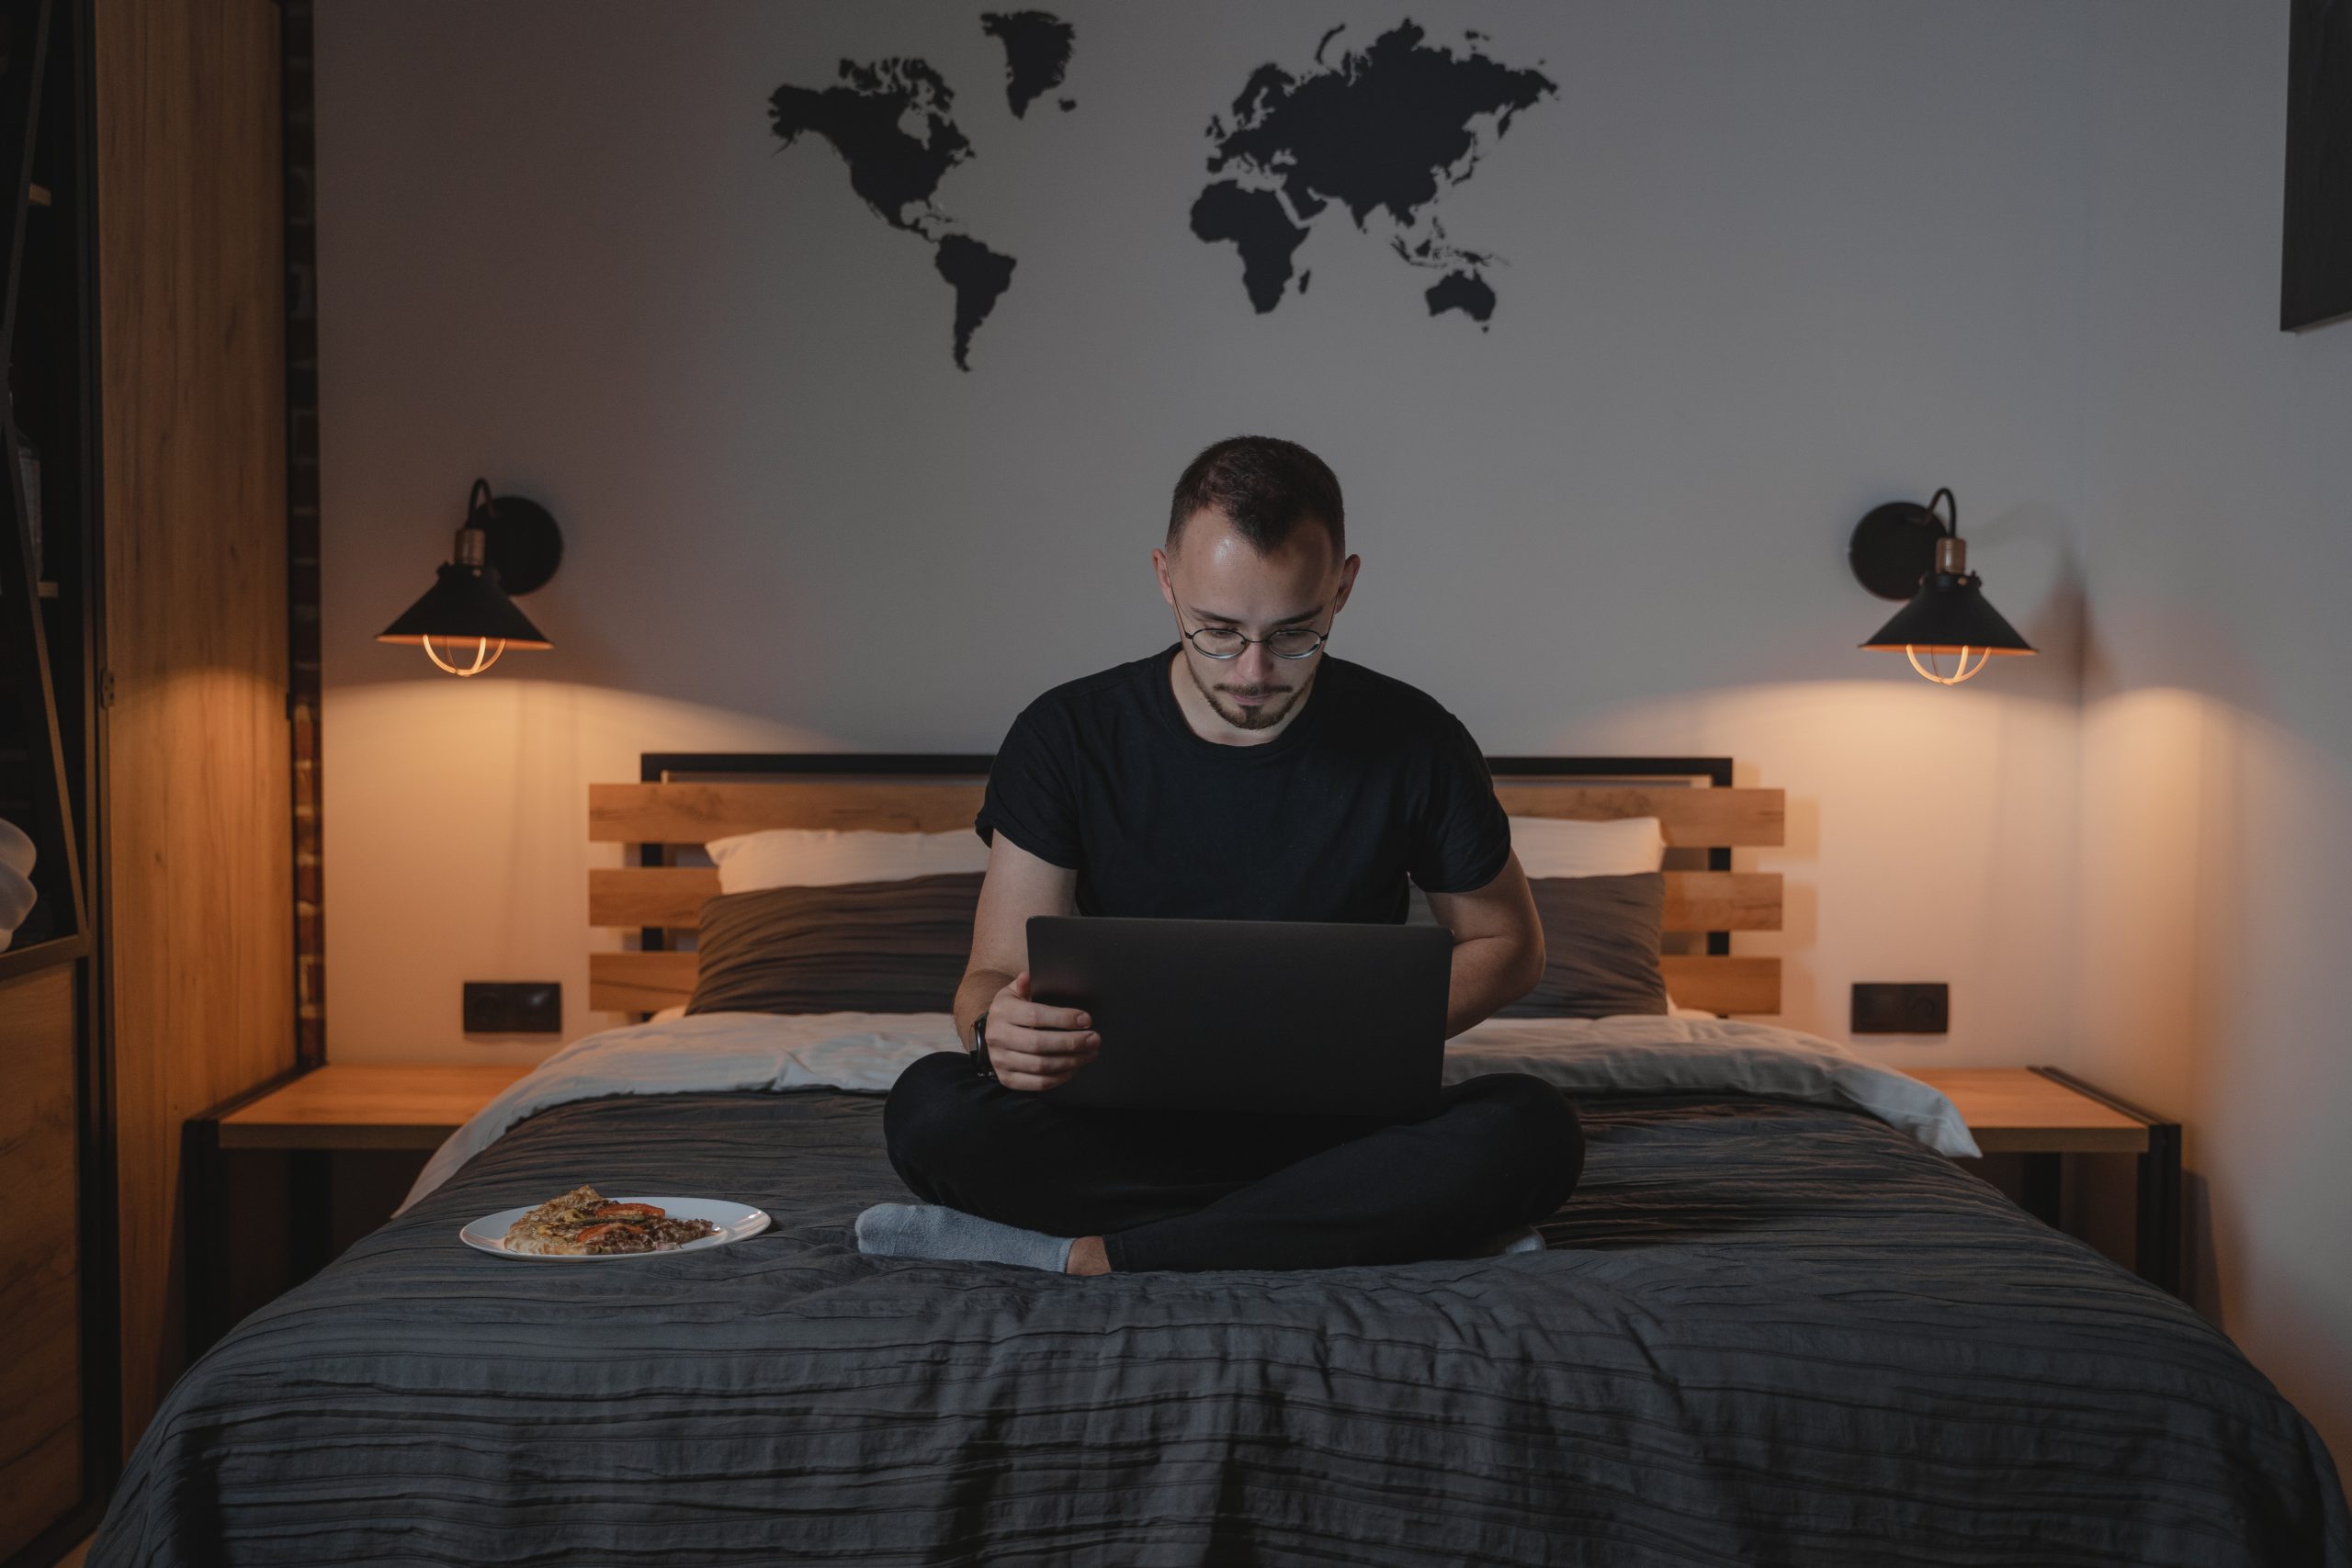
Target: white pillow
x=1555, y=846
x=16, y=855
x=829, y=857
x=1643, y=1055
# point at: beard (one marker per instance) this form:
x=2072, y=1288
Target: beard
x=1265, y=715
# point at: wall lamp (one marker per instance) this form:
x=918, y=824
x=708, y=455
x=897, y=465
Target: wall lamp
x=506, y=546
x=1904, y=550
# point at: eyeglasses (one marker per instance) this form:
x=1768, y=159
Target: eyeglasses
x=1226, y=642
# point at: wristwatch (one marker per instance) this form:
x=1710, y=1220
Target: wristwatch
x=979, y=1048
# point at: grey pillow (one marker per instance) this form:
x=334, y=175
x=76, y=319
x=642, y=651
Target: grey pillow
x=859, y=947
x=1600, y=946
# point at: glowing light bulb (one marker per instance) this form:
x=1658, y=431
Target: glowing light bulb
x=1961, y=672
x=485, y=653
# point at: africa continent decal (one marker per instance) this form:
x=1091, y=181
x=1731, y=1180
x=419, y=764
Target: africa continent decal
x=1386, y=131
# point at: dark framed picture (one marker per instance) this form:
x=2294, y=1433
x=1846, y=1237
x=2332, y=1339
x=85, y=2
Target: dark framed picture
x=2315, y=282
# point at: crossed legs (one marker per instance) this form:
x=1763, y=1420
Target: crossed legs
x=1195, y=1190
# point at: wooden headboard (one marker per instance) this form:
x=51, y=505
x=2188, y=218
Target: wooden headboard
x=686, y=799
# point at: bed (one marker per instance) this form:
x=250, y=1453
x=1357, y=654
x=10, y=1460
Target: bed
x=1774, y=1325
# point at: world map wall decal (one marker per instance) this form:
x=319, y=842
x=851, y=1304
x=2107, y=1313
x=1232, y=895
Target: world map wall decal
x=1382, y=132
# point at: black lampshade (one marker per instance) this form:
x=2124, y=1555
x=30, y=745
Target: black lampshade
x=465, y=604
x=505, y=541
x=1948, y=613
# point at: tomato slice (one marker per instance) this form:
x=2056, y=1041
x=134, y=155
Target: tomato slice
x=627, y=1211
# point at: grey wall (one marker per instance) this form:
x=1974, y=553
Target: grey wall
x=2216, y=827
x=1766, y=268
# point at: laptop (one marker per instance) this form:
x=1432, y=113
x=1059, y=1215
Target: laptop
x=1294, y=1016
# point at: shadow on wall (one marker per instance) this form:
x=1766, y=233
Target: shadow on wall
x=2215, y=848
x=2056, y=621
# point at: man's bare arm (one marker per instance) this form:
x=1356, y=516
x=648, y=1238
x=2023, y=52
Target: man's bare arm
x=1498, y=946
x=1031, y=1046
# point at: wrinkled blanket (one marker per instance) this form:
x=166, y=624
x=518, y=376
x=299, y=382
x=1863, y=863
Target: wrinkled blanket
x=1766, y=1332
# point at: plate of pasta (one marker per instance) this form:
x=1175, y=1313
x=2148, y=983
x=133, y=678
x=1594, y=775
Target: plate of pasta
x=584, y=1223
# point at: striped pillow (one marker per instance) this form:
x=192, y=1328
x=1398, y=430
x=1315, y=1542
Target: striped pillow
x=854, y=947
x=1600, y=947
x=1601, y=939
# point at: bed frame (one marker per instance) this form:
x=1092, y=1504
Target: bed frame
x=683, y=799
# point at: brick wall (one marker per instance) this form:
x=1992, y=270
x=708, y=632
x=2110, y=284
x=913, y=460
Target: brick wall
x=302, y=529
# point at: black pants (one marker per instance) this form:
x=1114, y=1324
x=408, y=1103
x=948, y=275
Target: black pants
x=1213, y=1190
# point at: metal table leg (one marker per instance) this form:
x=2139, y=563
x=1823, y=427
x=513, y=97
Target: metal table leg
x=205, y=1235
x=2157, y=1245
x=2043, y=1193
x=204, y=1178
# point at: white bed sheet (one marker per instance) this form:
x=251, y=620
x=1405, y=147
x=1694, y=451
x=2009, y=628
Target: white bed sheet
x=864, y=1052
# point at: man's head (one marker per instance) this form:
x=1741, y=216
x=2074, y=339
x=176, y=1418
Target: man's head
x=1265, y=488
x=1257, y=542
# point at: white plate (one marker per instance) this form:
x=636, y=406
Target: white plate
x=735, y=1221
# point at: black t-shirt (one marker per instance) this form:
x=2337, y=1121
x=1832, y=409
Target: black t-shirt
x=1370, y=784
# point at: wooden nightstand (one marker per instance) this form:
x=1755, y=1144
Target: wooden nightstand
x=2044, y=1113
x=310, y=1115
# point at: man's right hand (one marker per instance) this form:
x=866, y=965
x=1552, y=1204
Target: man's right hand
x=1034, y=1046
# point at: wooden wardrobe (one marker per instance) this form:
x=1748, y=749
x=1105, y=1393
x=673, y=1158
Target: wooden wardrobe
x=147, y=368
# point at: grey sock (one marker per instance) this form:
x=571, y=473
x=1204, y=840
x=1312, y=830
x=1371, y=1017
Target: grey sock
x=1526, y=1238
x=929, y=1230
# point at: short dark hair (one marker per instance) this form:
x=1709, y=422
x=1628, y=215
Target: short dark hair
x=1266, y=486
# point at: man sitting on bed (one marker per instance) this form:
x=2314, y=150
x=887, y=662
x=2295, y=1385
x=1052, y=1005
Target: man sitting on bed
x=1240, y=774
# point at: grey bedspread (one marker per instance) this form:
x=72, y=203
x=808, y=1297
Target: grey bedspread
x=1767, y=1332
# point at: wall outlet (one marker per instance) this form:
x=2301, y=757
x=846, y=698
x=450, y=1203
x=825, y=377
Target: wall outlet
x=514, y=1007
x=1919, y=1007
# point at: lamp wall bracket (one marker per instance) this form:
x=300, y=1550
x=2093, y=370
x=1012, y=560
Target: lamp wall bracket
x=1895, y=545
x=520, y=540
